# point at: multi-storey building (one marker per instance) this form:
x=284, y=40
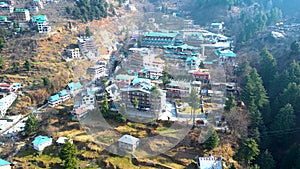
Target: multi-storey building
x=192, y=63
x=6, y=8
x=158, y=39
x=148, y=99
x=178, y=89
x=73, y=54
x=123, y=80
x=88, y=97
x=41, y=22
x=203, y=77
x=86, y=44
x=128, y=143
x=97, y=71
x=22, y=14
x=6, y=102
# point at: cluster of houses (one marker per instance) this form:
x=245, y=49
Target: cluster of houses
x=85, y=48
x=71, y=90
x=9, y=15
x=7, y=96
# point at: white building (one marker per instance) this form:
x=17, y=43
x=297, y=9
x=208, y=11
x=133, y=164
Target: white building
x=88, y=97
x=63, y=140
x=6, y=102
x=4, y=164
x=73, y=54
x=209, y=162
x=128, y=142
x=97, y=71
x=41, y=142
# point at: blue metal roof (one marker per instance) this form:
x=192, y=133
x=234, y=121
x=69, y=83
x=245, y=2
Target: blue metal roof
x=39, y=140
x=54, y=98
x=3, y=162
x=226, y=53
x=63, y=93
x=74, y=85
x=189, y=59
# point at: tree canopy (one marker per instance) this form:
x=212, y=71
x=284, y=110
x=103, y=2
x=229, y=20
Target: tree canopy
x=68, y=155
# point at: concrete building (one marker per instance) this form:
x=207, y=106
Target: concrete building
x=73, y=54
x=178, y=89
x=41, y=22
x=81, y=112
x=41, y=142
x=192, y=63
x=147, y=99
x=6, y=8
x=4, y=164
x=6, y=102
x=22, y=14
x=123, y=80
x=97, y=71
x=209, y=163
x=216, y=27
x=128, y=142
x=88, y=97
x=158, y=39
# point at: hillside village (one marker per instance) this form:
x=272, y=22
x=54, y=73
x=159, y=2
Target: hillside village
x=132, y=96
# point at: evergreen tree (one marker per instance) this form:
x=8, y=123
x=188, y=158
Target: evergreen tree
x=68, y=155
x=27, y=65
x=194, y=102
x=2, y=42
x=247, y=152
x=88, y=33
x=15, y=67
x=135, y=102
x=292, y=159
x=46, y=81
x=212, y=141
x=229, y=103
x=267, y=67
x=265, y=160
x=123, y=110
x=285, y=119
x=31, y=125
x=166, y=78
x=1, y=62
x=105, y=106
x=295, y=47
x=290, y=95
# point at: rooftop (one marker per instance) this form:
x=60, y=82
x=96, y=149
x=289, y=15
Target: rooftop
x=20, y=10
x=210, y=163
x=225, y=52
x=41, y=140
x=161, y=34
x=54, y=98
x=74, y=85
x=124, y=77
x=184, y=46
x=63, y=93
x=128, y=139
x=39, y=18
x=3, y=162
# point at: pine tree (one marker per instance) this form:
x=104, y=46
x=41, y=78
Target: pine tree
x=68, y=155
x=1, y=62
x=212, y=141
x=265, y=160
x=247, y=152
x=31, y=125
x=285, y=119
x=27, y=65
x=105, y=106
x=267, y=67
x=88, y=33
x=229, y=103
x=194, y=102
x=15, y=67
x=135, y=102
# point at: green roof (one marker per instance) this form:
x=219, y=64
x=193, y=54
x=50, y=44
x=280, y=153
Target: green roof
x=189, y=59
x=3, y=3
x=39, y=18
x=160, y=34
x=3, y=162
x=20, y=10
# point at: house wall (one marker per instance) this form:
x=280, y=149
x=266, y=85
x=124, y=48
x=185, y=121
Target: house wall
x=5, y=167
